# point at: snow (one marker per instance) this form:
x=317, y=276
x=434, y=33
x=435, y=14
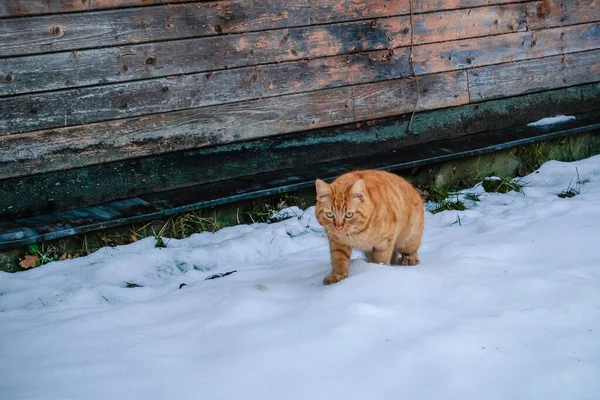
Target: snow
x=505, y=304
x=552, y=120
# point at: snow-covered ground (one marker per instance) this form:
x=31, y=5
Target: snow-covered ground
x=505, y=305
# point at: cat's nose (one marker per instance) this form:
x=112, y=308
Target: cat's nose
x=339, y=228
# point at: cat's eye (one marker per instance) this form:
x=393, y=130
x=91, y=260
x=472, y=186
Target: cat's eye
x=329, y=214
x=349, y=214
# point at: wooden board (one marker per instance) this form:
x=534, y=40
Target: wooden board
x=98, y=143
x=510, y=79
x=20, y=8
x=86, y=105
x=72, y=107
x=550, y=13
x=470, y=53
x=52, y=33
x=126, y=63
x=99, y=66
x=90, y=185
x=143, y=136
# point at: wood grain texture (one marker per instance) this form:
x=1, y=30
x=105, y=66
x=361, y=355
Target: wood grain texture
x=108, y=141
x=551, y=13
x=76, y=187
x=126, y=63
x=521, y=77
x=470, y=53
x=52, y=33
x=20, y=8
x=467, y=23
x=99, y=66
x=93, y=104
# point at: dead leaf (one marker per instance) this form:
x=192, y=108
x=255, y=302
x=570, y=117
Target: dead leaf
x=65, y=256
x=30, y=261
x=133, y=238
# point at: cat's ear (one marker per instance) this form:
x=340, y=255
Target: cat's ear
x=323, y=191
x=358, y=190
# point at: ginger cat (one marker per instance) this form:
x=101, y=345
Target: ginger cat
x=373, y=211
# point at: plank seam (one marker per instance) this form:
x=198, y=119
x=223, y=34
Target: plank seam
x=412, y=68
x=469, y=85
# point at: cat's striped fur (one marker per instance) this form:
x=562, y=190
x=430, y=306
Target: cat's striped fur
x=374, y=211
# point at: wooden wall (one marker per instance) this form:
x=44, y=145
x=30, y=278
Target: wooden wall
x=103, y=85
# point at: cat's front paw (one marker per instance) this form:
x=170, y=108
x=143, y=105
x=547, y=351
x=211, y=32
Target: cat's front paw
x=408, y=260
x=333, y=278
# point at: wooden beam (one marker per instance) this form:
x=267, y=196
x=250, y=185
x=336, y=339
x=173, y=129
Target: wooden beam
x=53, y=33
x=510, y=79
x=77, y=187
x=115, y=140
x=120, y=64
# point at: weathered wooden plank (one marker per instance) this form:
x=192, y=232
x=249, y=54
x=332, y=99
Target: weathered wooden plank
x=470, y=53
x=33, y=35
x=17, y=8
x=20, y=8
x=120, y=64
x=114, y=140
x=551, y=13
x=93, y=104
x=77, y=187
x=468, y=23
x=99, y=66
x=506, y=80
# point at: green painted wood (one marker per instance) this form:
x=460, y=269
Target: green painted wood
x=124, y=179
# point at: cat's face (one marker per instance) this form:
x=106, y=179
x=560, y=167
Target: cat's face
x=342, y=210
